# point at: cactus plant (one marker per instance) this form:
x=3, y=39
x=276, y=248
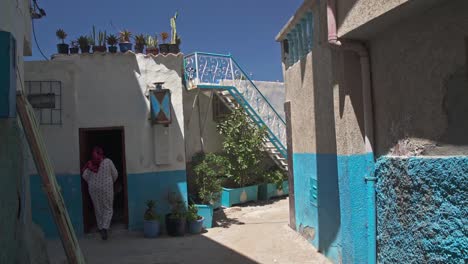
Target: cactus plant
x=112, y=40
x=140, y=43
x=174, y=28
x=152, y=45
x=124, y=36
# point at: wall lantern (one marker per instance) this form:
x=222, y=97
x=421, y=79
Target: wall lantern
x=161, y=105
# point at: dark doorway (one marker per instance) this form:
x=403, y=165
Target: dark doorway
x=112, y=140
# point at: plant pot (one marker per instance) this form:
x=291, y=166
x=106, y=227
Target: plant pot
x=241, y=195
x=174, y=48
x=125, y=46
x=164, y=48
x=196, y=226
x=139, y=48
x=99, y=48
x=62, y=48
x=269, y=190
x=151, y=228
x=85, y=49
x=175, y=227
x=154, y=51
x=206, y=211
x=74, y=50
x=113, y=49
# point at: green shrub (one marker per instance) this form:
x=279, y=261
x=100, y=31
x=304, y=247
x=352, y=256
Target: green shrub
x=209, y=170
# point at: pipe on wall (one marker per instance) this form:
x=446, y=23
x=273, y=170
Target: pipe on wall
x=360, y=49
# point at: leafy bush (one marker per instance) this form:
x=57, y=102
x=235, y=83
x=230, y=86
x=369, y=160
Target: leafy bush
x=243, y=145
x=150, y=214
x=177, y=206
x=209, y=170
x=192, y=214
x=275, y=176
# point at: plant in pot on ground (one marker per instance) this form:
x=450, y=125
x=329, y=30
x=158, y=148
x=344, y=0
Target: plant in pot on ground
x=209, y=169
x=124, y=41
x=194, y=220
x=176, y=219
x=152, y=45
x=175, y=39
x=140, y=43
x=151, y=225
x=243, y=147
x=101, y=41
x=112, y=41
x=74, y=47
x=62, y=48
x=83, y=42
x=164, y=47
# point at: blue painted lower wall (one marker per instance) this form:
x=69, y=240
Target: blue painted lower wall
x=141, y=187
x=331, y=204
x=422, y=210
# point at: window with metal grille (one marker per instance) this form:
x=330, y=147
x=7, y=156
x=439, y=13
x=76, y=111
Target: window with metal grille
x=46, y=99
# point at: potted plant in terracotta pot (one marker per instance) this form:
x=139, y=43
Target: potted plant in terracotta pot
x=62, y=48
x=74, y=48
x=101, y=41
x=112, y=41
x=151, y=225
x=209, y=170
x=176, y=219
x=194, y=221
x=244, y=155
x=124, y=41
x=140, y=43
x=83, y=42
x=152, y=45
x=164, y=47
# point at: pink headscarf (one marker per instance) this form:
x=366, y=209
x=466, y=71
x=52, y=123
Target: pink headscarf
x=97, y=157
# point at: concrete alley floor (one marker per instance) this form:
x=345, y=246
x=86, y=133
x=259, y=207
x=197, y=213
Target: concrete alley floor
x=256, y=233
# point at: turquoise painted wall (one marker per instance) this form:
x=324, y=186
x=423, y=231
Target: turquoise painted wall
x=336, y=221
x=422, y=210
x=141, y=187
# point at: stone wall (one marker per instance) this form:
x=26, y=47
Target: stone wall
x=422, y=209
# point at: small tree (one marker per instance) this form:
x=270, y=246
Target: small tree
x=209, y=170
x=243, y=144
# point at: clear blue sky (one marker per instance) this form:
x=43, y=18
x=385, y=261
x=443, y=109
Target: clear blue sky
x=244, y=28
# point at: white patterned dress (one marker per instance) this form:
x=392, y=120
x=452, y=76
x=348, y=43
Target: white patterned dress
x=101, y=190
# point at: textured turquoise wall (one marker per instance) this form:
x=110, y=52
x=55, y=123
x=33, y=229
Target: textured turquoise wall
x=331, y=203
x=422, y=210
x=141, y=187
x=230, y=197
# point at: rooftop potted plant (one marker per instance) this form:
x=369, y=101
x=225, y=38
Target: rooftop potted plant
x=209, y=169
x=124, y=41
x=164, y=47
x=151, y=225
x=101, y=41
x=140, y=43
x=74, y=48
x=195, y=221
x=112, y=41
x=244, y=156
x=176, y=219
x=274, y=183
x=62, y=48
x=175, y=39
x=152, y=45
x=83, y=42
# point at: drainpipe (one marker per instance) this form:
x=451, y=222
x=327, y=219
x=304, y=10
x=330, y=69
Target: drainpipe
x=360, y=49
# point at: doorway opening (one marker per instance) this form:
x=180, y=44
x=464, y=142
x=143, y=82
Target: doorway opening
x=112, y=140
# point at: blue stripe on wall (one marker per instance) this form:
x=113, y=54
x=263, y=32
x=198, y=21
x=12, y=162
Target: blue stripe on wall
x=70, y=187
x=339, y=222
x=141, y=187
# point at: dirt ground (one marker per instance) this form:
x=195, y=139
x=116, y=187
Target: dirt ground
x=256, y=233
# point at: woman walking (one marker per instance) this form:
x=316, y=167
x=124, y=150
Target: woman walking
x=100, y=174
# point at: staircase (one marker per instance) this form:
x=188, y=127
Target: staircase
x=222, y=74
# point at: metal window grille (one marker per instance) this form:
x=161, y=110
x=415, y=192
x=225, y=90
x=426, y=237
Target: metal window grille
x=46, y=99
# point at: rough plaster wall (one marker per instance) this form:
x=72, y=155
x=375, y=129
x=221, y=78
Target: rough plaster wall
x=413, y=66
x=114, y=97
x=422, y=210
x=275, y=94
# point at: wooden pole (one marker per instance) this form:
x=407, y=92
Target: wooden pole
x=51, y=188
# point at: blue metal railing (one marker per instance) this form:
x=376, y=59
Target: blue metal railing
x=217, y=71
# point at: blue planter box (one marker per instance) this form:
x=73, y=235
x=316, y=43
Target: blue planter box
x=206, y=211
x=239, y=195
x=267, y=191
